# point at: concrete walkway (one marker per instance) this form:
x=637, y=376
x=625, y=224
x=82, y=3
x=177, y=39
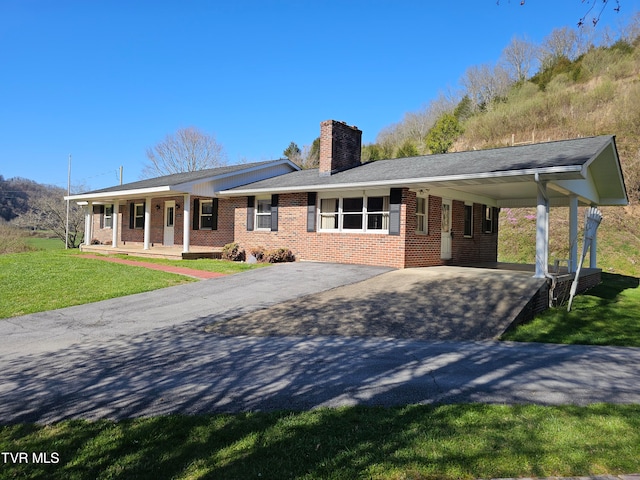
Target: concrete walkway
x=189, y=272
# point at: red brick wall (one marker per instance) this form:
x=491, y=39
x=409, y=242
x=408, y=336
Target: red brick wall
x=423, y=250
x=480, y=247
x=409, y=249
x=340, y=146
x=365, y=249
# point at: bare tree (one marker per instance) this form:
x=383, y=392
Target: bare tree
x=188, y=150
x=48, y=212
x=519, y=57
x=560, y=43
x=485, y=83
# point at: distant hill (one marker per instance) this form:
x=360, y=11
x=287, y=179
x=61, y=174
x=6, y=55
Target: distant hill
x=16, y=194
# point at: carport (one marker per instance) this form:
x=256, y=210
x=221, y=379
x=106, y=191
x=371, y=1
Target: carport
x=572, y=173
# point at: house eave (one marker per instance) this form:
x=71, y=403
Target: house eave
x=549, y=173
x=122, y=194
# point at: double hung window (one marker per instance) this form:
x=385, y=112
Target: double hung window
x=108, y=216
x=487, y=220
x=263, y=214
x=421, y=215
x=206, y=214
x=468, y=220
x=139, y=215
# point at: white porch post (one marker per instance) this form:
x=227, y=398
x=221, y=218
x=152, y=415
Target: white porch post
x=186, y=226
x=573, y=233
x=542, y=232
x=88, y=219
x=147, y=223
x=593, y=251
x=115, y=223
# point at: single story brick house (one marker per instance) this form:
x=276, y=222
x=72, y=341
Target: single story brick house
x=409, y=212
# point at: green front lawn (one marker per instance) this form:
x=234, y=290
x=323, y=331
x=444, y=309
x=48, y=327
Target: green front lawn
x=209, y=265
x=417, y=442
x=608, y=314
x=46, y=280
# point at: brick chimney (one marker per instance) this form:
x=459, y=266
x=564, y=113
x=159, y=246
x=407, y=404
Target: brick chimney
x=340, y=147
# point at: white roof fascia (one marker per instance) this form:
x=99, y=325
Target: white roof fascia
x=140, y=192
x=407, y=182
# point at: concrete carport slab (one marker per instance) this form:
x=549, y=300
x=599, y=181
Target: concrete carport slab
x=433, y=303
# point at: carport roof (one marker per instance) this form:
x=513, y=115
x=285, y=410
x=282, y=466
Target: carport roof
x=587, y=167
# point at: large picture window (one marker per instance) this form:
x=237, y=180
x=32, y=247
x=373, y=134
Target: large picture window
x=355, y=214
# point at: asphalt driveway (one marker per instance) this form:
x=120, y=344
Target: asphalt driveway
x=149, y=354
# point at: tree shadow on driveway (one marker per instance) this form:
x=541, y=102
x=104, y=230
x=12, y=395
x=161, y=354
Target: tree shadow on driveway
x=184, y=370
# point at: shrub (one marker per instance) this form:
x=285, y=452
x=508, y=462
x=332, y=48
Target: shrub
x=233, y=252
x=279, y=255
x=258, y=253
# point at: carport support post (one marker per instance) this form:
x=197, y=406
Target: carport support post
x=593, y=250
x=115, y=225
x=147, y=223
x=573, y=233
x=186, y=227
x=542, y=231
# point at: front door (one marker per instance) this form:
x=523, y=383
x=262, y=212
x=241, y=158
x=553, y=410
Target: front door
x=445, y=244
x=169, y=219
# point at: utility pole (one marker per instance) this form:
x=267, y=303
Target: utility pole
x=66, y=230
x=120, y=174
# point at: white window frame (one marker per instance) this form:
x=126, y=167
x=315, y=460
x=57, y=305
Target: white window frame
x=470, y=206
x=487, y=219
x=261, y=215
x=136, y=216
x=364, y=213
x=201, y=214
x=108, y=216
x=422, y=215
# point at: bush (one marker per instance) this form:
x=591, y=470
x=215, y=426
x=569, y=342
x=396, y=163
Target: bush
x=233, y=252
x=278, y=255
x=258, y=254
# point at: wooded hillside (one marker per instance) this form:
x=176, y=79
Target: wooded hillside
x=583, y=87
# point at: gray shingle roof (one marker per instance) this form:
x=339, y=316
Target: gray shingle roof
x=563, y=154
x=180, y=178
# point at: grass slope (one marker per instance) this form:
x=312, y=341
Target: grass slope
x=608, y=314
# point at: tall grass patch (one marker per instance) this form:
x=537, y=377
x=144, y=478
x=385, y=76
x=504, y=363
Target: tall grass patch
x=13, y=240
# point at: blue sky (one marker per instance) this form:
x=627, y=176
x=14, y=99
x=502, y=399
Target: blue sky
x=105, y=80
